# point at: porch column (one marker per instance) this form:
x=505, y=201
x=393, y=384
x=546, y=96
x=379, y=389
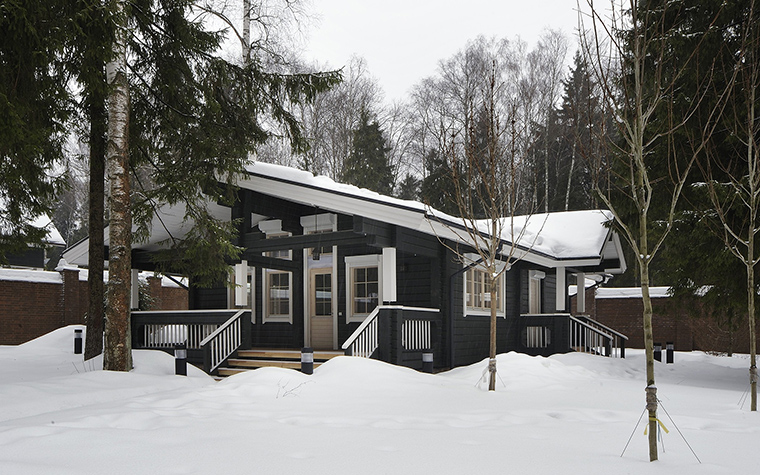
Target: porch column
x=135, y=300
x=561, y=289
x=389, y=274
x=580, y=284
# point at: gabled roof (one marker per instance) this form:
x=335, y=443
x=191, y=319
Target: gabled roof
x=569, y=239
x=53, y=237
x=574, y=238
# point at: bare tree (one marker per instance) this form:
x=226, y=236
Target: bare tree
x=330, y=120
x=627, y=49
x=733, y=182
x=484, y=159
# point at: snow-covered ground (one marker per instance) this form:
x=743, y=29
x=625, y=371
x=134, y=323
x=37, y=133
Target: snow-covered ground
x=568, y=414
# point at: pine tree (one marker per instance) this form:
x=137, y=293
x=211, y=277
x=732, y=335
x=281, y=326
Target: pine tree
x=34, y=107
x=367, y=166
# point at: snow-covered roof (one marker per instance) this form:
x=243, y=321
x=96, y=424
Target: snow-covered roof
x=53, y=236
x=30, y=275
x=169, y=222
x=552, y=239
x=630, y=292
x=54, y=277
x=573, y=289
x=570, y=239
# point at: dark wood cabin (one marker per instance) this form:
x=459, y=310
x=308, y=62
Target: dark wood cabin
x=323, y=259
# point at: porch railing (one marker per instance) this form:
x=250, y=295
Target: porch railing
x=588, y=336
x=364, y=340
x=163, y=330
x=223, y=342
x=616, y=347
x=396, y=334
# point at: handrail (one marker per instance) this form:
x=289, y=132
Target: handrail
x=603, y=326
x=589, y=327
x=224, y=341
x=371, y=317
x=588, y=336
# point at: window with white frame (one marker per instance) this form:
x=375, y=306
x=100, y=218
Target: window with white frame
x=479, y=294
x=278, y=304
x=277, y=301
x=535, y=283
x=364, y=286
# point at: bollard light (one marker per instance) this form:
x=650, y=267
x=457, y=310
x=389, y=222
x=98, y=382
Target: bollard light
x=658, y=351
x=427, y=362
x=78, y=342
x=307, y=360
x=180, y=359
x=669, y=347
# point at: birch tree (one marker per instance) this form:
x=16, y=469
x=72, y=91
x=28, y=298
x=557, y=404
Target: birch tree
x=117, y=355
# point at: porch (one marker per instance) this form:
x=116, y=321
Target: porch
x=220, y=341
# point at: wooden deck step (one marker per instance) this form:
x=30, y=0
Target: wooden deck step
x=230, y=371
x=248, y=363
x=319, y=355
x=247, y=360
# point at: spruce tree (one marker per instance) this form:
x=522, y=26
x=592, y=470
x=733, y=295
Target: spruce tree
x=34, y=107
x=367, y=165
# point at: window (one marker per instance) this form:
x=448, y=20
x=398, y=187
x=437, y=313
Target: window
x=278, y=301
x=322, y=294
x=277, y=305
x=535, y=281
x=478, y=292
x=364, y=289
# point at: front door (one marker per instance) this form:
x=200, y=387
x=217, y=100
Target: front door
x=320, y=308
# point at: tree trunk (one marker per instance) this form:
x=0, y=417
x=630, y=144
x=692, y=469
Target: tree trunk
x=117, y=355
x=752, y=329
x=753, y=181
x=492, y=346
x=94, y=335
x=246, y=40
x=651, y=389
x=570, y=177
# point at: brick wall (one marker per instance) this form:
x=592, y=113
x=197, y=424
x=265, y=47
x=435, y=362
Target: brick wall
x=682, y=323
x=29, y=309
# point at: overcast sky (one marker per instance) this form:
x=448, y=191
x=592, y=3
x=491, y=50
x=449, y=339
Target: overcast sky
x=403, y=40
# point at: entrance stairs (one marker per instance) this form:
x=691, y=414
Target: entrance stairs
x=246, y=360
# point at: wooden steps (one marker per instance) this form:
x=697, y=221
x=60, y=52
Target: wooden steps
x=271, y=358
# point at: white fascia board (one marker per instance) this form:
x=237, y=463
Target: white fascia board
x=332, y=201
x=442, y=231
x=613, y=247
x=78, y=254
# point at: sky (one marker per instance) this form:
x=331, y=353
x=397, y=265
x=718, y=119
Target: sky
x=574, y=414
x=403, y=40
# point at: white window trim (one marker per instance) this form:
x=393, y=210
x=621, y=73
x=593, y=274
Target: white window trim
x=472, y=311
x=319, y=223
x=352, y=262
x=265, y=298
x=273, y=230
x=535, y=289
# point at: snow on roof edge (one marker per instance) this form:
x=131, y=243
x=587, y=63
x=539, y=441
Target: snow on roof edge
x=630, y=292
x=556, y=246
